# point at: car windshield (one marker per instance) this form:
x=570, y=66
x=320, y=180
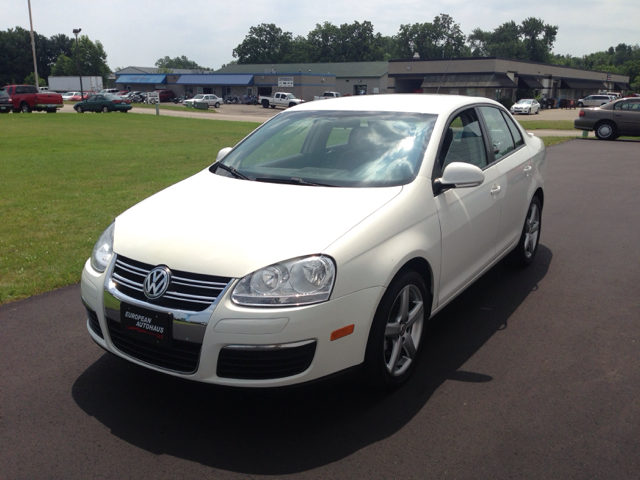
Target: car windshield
x=198, y=97
x=111, y=96
x=342, y=149
x=523, y=101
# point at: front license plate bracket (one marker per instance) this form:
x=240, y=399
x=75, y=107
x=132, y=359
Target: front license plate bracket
x=146, y=325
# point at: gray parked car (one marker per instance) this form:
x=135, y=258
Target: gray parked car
x=594, y=101
x=612, y=120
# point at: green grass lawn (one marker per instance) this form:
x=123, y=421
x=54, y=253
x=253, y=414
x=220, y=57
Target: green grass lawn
x=546, y=124
x=64, y=177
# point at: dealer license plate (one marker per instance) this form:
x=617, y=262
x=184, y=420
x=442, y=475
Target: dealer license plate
x=146, y=325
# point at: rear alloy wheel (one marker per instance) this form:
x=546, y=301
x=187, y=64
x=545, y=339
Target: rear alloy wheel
x=397, y=331
x=580, y=104
x=105, y=109
x=527, y=247
x=606, y=131
x=217, y=105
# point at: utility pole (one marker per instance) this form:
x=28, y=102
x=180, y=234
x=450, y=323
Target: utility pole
x=33, y=48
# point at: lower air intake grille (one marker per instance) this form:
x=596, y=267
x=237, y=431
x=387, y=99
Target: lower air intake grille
x=93, y=322
x=264, y=363
x=181, y=357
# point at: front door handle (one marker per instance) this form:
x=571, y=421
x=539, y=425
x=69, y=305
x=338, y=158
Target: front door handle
x=527, y=170
x=495, y=189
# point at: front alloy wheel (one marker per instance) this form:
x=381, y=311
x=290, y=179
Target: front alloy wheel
x=397, y=331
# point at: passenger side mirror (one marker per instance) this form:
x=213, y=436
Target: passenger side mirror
x=460, y=175
x=223, y=153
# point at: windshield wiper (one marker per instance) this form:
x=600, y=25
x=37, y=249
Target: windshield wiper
x=232, y=171
x=292, y=181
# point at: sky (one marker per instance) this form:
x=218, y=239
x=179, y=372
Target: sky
x=139, y=32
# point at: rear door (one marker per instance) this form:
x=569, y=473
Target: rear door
x=512, y=160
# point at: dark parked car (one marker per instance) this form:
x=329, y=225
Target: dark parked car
x=102, y=103
x=612, y=120
x=6, y=105
x=166, y=95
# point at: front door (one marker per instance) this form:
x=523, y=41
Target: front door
x=469, y=217
x=627, y=116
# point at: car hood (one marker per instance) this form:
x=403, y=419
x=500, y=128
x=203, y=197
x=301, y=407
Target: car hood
x=223, y=226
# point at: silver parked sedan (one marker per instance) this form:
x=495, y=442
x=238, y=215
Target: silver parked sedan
x=611, y=120
x=526, y=105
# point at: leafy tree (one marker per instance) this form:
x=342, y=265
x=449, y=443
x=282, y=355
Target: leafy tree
x=265, y=43
x=92, y=58
x=16, y=57
x=168, y=63
x=531, y=40
x=441, y=38
x=31, y=80
x=355, y=42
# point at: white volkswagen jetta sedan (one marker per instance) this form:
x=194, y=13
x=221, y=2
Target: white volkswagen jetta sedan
x=324, y=240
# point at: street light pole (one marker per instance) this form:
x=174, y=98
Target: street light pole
x=33, y=49
x=76, y=31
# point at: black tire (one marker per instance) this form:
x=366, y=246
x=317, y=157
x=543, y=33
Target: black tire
x=291, y=104
x=25, y=108
x=393, y=347
x=580, y=104
x=217, y=105
x=537, y=111
x=527, y=247
x=105, y=109
x=606, y=131
x=52, y=110
x=272, y=106
x=79, y=109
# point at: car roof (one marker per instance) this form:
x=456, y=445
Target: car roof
x=409, y=103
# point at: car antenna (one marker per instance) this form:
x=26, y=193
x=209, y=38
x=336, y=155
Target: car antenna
x=445, y=74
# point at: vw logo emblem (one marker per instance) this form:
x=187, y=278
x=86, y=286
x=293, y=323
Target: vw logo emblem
x=157, y=282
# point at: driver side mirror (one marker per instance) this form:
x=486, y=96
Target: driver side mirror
x=459, y=175
x=223, y=153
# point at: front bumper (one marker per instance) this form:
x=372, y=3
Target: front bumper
x=253, y=338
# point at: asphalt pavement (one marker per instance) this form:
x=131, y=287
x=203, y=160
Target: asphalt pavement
x=529, y=374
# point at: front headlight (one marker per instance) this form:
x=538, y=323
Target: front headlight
x=299, y=281
x=103, y=250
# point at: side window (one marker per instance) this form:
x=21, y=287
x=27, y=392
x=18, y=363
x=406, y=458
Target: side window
x=463, y=142
x=515, y=133
x=500, y=135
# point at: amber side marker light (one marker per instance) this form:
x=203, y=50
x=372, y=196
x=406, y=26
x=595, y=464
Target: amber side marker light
x=342, y=332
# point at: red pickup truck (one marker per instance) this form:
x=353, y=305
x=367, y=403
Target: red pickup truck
x=27, y=98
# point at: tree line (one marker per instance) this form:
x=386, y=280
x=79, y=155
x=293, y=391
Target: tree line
x=531, y=40
x=357, y=42
x=55, y=56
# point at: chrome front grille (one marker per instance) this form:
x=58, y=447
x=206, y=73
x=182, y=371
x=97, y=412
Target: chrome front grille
x=187, y=291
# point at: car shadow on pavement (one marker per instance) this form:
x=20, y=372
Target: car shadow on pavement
x=295, y=429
